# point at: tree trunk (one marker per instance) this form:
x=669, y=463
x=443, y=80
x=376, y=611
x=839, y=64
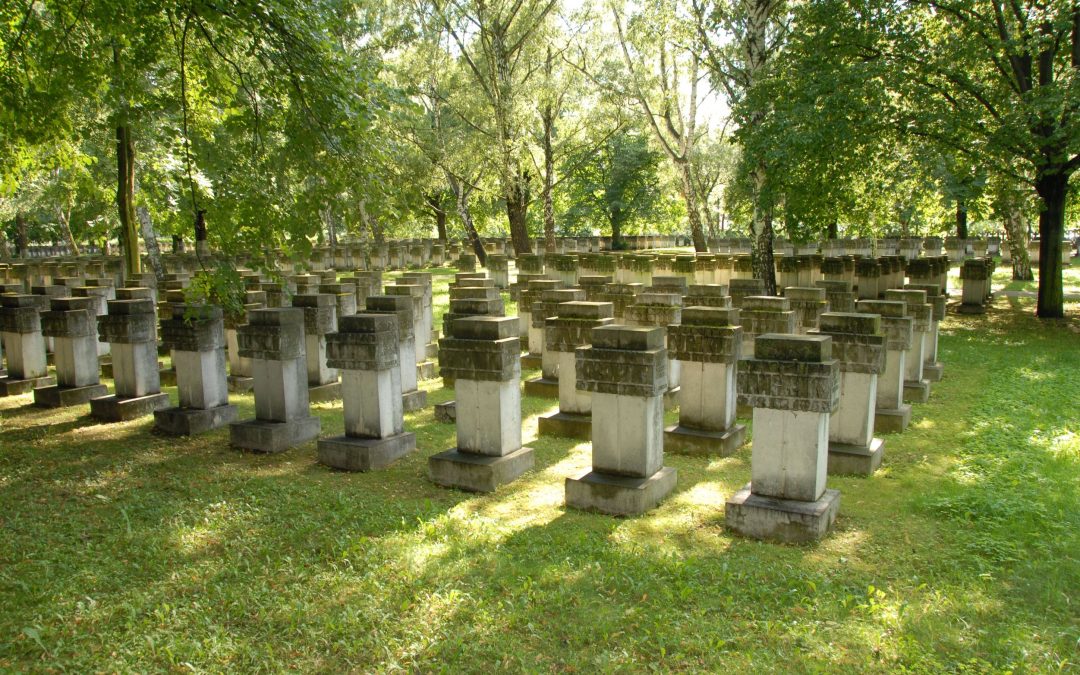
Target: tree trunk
x=461, y=192
x=435, y=202
x=616, y=219
x=22, y=235
x=153, y=253
x=65, y=221
x=517, y=210
x=764, y=267
x=693, y=215
x=961, y=219
x=1052, y=185
x=1016, y=236
x=177, y=244
x=549, y=177
x=833, y=232
x=125, y=178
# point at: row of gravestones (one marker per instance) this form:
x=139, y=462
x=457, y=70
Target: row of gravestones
x=622, y=372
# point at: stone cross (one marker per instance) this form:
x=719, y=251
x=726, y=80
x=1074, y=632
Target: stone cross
x=482, y=355
x=793, y=384
x=273, y=339
x=932, y=368
x=808, y=303
x=916, y=387
x=762, y=314
x=130, y=328
x=320, y=319
x=402, y=306
x=20, y=330
x=625, y=372
x=196, y=336
x=708, y=344
x=547, y=385
x=365, y=349
x=892, y=414
x=72, y=324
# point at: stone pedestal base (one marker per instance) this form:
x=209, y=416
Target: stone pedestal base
x=427, y=370
x=542, y=388
x=241, y=385
x=916, y=392
x=431, y=351
x=167, y=377
x=531, y=362
x=619, y=495
x=566, y=425
x=364, y=454
x=446, y=412
x=892, y=421
x=321, y=393
x=115, y=409
x=970, y=309
x=855, y=459
x=14, y=387
x=192, y=421
x=413, y=400
x=687, y=441
x=782, y=520
x=933, y=372
x=273, y=436
x=63, y=397
x=478, y=473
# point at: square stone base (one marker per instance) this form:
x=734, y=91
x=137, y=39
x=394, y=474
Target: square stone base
x=566, y=425
x=542, y=388
x=168, y=377
x=782, y=520
x=970, y=309
x=115, y=409
x=428, y=370
x=916, y=392
x=241, y=385
x=619, y=495
x=933, y=372
x=63, y=397
x=531, y=362
x=446, y=412
x=321, y=393
x=893, y=421
x=431, y=351
x=413, y=400
x=364, y=454
x=273, y=436
x=855, y=459
x=687, y=441
x=14, y=387
x=478, y=473
x=192, y=421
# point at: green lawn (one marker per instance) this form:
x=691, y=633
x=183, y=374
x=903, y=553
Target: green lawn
x=121, y=550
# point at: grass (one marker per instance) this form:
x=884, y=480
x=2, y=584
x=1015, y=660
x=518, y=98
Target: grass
x=122, y=550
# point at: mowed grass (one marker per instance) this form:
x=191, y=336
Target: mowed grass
x=122, y=550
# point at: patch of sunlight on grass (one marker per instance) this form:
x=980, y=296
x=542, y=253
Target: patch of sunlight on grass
x=704, y=495
x=210, y=530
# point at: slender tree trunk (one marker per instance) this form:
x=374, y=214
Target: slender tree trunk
x=65, y=221
x=549, y=177
x=461, y=193
x=177, y=244
x=833, y=232
x=961, y=219
x=1052, y=185
x=615, y=217
x=693, y=214
x=153, y=252
x=125, y=178
x=22, y=235
x=517, y=211
x=764, y=266
x=1016, y=232
x=436, y=203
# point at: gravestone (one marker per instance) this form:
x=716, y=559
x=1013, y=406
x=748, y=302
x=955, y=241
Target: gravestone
x=130, y=328
x=20, y=330
x=708, y=344
x=625, y=372
x=274, y=341
x=72, y=324
x=793, y=384
x=365, y=349
x=482, y=355
x=412, y=398
x=916, y=386
x=892, y=414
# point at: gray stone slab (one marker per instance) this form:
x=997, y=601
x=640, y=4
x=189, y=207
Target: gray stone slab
x=478, y=473
x=64, y=397
x=193, y=421
x=446, y=412
x=15, y=387
x=350, y=453
x=541, y=387
x=892, y=420
x=933, y=372
x=619, y=495
x=115, y=409
x=321, y=393
x=566, y=425
x=413, y=400
x=167, y=377
x=427, y=370
x=687, y=441
x=781, y=520
x=531, y=362
x=854, y=459
x=916, y=392
x=273, y=436
x=241, y=385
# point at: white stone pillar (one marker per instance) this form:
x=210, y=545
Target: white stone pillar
x=72, y=323
x=565, y=333
x=130, y=328
x=402, y=306
x=892, y=415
